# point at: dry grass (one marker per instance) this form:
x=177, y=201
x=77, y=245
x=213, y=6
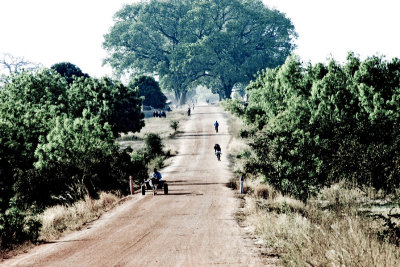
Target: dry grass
x=61, y=219
x=309, y=235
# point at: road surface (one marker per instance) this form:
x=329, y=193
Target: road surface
x=193, y=225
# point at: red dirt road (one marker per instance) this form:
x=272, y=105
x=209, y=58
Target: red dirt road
x=193, y=225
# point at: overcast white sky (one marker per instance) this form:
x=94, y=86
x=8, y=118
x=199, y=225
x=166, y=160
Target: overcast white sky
x=52, y=31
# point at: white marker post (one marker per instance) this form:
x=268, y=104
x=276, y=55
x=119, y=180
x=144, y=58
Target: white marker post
x=241, y=184
x=131, y=184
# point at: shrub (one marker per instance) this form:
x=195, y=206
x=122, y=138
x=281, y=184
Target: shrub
x=139, y=165
x=154, y=145
x=174, y=125
x=17, y=226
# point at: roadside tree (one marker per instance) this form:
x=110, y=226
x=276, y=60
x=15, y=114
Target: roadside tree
x=150, y=90
x=113, y=102
x=311, y=126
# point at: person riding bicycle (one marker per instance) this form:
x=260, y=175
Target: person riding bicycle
x=156, y=179
x=216, y=124
x=217, y=150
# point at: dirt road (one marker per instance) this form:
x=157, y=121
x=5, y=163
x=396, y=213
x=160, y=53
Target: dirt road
x=193, y=225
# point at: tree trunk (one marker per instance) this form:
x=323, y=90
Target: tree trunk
x=227, y=91
x=177, y=96
x=182, y=99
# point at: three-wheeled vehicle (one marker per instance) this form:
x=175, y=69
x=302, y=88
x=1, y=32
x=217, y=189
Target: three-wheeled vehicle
x=154, y=185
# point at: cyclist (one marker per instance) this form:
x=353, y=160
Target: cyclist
x=217, y=150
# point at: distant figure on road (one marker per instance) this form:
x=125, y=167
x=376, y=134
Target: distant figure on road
x=188, y=111
x=216, y=124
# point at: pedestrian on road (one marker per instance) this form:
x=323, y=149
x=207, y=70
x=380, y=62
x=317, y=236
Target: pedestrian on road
x=216, y=124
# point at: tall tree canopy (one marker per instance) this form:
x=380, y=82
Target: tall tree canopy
x=114, y=102
x=68, y=70
x=213, y=42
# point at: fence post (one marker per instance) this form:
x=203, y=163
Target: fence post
x=131, y=185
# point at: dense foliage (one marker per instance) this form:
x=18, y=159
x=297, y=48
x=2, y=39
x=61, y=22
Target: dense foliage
x=150, y=90
x=68, y=71
x=314, y=125
x=57, y=144
x=113, y=102
x=214, y=43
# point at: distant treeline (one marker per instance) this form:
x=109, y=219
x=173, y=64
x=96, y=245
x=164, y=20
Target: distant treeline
x=313, y=125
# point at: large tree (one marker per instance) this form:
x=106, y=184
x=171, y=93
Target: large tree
x=150, y=90
x=217, y=43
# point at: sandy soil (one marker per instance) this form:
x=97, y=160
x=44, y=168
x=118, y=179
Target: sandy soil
x=193, y=225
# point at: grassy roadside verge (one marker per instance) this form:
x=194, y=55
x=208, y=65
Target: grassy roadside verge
x=62, y=219
x=336, y=228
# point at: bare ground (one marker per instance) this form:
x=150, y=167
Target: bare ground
x=194, y=225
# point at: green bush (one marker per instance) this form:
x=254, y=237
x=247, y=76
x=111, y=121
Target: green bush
x=139, y=166
x=17, y=226
x=154, y=145
x=174, y=125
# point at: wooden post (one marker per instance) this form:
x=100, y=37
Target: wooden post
x=131, y=185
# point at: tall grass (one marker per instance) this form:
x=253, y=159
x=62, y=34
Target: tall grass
x=309, y=235
x=62, y=219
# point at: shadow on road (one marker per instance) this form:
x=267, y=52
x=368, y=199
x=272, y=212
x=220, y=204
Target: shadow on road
x=183, y=184
x=64, y=241
x=184, y=194
x=203, y=134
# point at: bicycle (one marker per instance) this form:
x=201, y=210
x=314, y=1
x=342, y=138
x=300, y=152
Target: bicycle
x=218, y=154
